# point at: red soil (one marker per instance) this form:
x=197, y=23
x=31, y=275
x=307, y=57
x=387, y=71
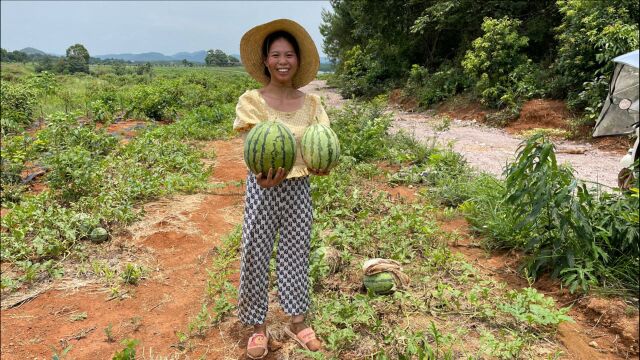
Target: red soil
x=541, y=113
x=603, y=328
x=156, y=309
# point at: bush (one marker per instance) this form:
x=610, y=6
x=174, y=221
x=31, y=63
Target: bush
x=582, y=237
x=493, y=57
x=591, y=34
x=361, y=129
x=360, y=74
x=431, y=88
x=75, y=173
x=159, y=100
x=17, y=106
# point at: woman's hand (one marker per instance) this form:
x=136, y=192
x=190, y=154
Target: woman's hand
x=318, y=172
x=271, y=180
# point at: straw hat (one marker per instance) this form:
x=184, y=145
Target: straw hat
x=251, y=51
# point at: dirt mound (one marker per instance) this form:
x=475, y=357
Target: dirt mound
x=615, y=314
x=398, y=99
x=541, y=113
x=464, y=108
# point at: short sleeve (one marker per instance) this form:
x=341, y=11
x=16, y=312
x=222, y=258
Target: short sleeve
x=249, y=111
x=320, y=114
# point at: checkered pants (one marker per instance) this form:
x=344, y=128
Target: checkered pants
x=284, y=209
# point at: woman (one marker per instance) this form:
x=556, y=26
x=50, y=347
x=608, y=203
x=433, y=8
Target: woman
x=282, y=56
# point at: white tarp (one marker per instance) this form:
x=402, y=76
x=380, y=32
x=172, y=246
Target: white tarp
x=619, y=114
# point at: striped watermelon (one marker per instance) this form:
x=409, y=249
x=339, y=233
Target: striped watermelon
x=320, y=147
x=380, y=283
x=269, y=145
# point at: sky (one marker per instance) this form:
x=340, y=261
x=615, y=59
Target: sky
x=168, y=27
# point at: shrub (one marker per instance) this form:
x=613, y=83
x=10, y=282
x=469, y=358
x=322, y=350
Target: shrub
x=360, y=74
x=361, y=129
x=75, y=172
x=493, y=57
x=17, y=106
x=157, y=101
x=431, y=88
x=591, y=34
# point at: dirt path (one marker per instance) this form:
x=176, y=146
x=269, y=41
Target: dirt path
x=177, y=235
x=489, y=149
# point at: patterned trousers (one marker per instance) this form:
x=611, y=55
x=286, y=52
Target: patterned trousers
x=285, y=209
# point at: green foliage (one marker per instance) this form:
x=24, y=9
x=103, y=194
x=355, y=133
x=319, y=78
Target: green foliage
x=129, y=351
x=530, y=308
x=158, y=101
x=74, y=172
x=132, y=274
x=493, y=58
x=583, y=238
x=77, y=59
x=361, y=129
x=543, y=193
x=488, y=214
x=360, y=74
x=431, y=88
x=219, y=58
x=446, y=173
x=17, y=106
x=591, y=34
x=91, y=179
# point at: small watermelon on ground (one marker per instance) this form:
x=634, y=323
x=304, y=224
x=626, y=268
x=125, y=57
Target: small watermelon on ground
x=320, y=147
x=85, y=224
x=269, y=145
x=380, y=283
x=98, y=235
x=328, y=259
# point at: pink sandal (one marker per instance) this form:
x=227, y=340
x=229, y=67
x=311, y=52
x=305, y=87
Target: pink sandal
x=258, y=341
x=303, y=337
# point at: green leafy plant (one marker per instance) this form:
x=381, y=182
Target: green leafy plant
x=129, y=351
x=532, y=308
x=132, y=274
x=494, y=56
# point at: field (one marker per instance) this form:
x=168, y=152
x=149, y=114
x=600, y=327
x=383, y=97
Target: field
x=151, y=159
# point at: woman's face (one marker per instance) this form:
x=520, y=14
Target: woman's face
x=282, y=61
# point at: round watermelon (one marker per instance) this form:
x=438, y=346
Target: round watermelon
x=84, y=224
x=99, y=235
x=269, y=145
x=328, y=259
x=380, y=283
x=320, y=147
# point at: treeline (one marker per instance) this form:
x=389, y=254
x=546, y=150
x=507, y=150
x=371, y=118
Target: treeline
x=503, y=52
x=78, y=59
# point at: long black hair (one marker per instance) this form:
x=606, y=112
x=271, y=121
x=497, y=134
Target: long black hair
x=280, y=34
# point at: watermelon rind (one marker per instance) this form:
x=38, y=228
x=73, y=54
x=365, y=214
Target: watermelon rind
x=381, y=283
x=320, y=147
x=98, y=235
x=269, y=145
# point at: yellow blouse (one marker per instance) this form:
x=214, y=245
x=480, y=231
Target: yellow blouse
x=252, y=109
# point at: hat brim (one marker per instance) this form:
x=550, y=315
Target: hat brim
x=251, y=51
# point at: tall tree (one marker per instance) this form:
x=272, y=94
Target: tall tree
x=77, y=59
x=216, y=58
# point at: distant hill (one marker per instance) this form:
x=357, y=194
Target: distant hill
x=33, y=51
x=197, y=56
